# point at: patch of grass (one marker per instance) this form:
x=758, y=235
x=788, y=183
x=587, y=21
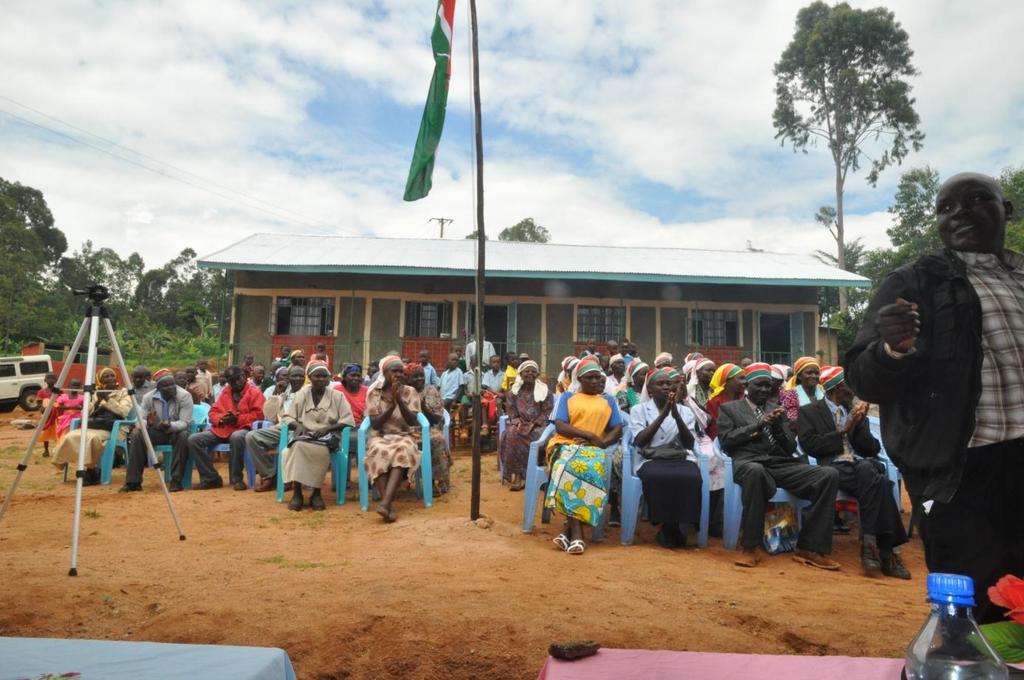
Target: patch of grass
x=314, y=520
x=13, y=452
x=285, y=563
x=92, y=514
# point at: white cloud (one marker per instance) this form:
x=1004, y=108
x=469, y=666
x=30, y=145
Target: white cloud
x=676, y=93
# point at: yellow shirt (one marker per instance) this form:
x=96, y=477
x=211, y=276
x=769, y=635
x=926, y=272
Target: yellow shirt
x=510, y=378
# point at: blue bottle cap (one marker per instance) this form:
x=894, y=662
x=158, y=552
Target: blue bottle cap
x=951, y=589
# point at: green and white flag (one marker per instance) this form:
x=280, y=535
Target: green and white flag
x=419, y=182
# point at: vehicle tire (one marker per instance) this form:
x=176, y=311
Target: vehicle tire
x=28, y=399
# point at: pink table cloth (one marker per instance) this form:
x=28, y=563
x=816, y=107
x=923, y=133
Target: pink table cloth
x=642, y=664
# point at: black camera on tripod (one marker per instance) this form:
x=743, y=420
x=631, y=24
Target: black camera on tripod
x=96, y=293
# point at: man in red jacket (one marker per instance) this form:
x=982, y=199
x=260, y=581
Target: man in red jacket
x=230, y=419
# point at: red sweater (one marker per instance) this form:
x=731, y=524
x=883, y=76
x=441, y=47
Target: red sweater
x=249, y=410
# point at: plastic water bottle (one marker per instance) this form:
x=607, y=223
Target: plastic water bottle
x=950, y=646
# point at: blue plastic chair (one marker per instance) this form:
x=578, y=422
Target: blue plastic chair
x=502, y=426
x=425, y=475
x=165, y=451
x=733, y=503
x=107, y=457
x=891, y=471
x=200, y=421
x=447, y=428
x=633, y=494
x=339, y=462
x=250, y=466
x=537, y=476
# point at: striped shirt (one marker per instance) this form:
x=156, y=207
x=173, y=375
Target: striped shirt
x=999, y=285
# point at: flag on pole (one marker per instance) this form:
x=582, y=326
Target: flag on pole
x=418, y=184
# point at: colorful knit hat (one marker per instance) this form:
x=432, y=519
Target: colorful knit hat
x=799, y=366
x=832, y=377
x=722, y=375
x=758, y=370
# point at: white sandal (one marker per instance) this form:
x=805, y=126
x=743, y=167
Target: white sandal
x=562, y=541
x=576, y=547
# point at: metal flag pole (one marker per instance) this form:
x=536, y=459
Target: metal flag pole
x=481, y=241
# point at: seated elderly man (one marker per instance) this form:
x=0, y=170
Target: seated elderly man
x=141, y=382
x=756, y=434
x=167, y=414
x=836, y=432
x=230, y=418
x=262, y=444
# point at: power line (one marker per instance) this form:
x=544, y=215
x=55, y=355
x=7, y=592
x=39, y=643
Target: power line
x=239, y=197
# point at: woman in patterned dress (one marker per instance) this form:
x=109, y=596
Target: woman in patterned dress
x=433, y=409
x=528, y=407
x=587, y=422
x=391, y=451
x=316, y=415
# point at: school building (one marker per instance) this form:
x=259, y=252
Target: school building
x=363, y=297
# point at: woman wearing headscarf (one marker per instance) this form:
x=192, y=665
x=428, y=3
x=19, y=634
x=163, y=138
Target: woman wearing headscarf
x=108, y=403
x=727, y=384
x=586, y=422
x=528, y=408
x=628, y=395
x=315, y=417
x=802, y=389
x=662, y=360
x=700, y=376
x=433, y=409
x=565, y=377
x=662, y=428
x=352, y=388
x=391, y=451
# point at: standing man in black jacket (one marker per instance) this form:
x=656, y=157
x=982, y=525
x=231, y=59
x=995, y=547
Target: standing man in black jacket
x=836, y=432
x=942, y=354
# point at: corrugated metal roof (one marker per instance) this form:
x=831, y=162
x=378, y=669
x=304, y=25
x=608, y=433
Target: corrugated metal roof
x=457, y=257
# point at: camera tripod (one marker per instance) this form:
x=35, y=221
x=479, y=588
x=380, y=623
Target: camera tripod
x=95, y=313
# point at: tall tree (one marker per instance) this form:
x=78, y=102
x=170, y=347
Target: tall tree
x=913, y=211
x=525, y=230
x=842, y=80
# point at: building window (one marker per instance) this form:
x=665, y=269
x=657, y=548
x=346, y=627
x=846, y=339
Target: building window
x=715, y=328
x=305, y=316
x=427, y=319
x=600, y=323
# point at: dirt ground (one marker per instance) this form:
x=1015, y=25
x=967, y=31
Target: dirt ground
x=432, y=596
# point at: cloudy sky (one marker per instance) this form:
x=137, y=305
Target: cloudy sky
x=152, y=126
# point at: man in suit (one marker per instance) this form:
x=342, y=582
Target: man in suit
x=756, y=434
x=836, y=432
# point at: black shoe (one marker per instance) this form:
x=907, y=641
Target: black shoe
x=869, y=558
x=892, y=565
x=317, y=502
x=129, y=487
x=214, y=483
x=91, y=477
x=174, y=486
x=239, y=486
x=295, y=503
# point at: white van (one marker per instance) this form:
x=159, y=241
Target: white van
x=20, y=379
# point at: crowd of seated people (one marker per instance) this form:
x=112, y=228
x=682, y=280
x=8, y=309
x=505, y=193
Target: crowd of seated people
x=798, y=429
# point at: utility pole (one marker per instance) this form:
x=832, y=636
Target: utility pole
x=442, y=221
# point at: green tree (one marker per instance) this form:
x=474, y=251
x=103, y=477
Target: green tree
x=26, y=206
x=31, y=245
x=841, y=81
x=1012, y=181
x=856, y=256
x=525, y=230
x=913, y=211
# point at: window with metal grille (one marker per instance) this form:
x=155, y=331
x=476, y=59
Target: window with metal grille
x=305, y=316
x=427, y=319
x=600, y=323
x=715, y=328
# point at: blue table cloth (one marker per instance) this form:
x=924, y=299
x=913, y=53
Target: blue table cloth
x=94, y=659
